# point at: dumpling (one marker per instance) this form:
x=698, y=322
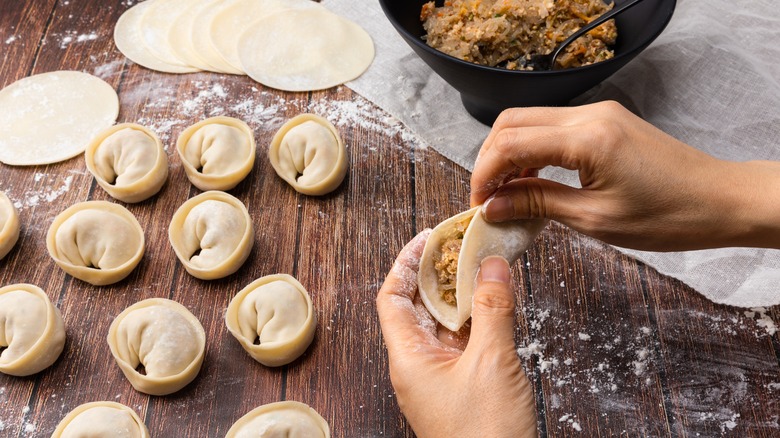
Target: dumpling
x=288, y=419
x=32, y=333
x=217, y=153
x=128, y=161
x=96, y=241
x=308, y=153
x=9, y=225
x=101, y=419
x=212, y=235
x=158, y=344
x=273, y=319
x=452, y=256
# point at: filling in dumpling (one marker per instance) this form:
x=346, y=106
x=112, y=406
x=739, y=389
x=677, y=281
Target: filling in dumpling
x=103, y=421
x=126, y=156
x=447, y=264
x=97, y=239
x=214, y=231
x=309, y=153
x=22, y=322
x=218, y=149
x=274, y=312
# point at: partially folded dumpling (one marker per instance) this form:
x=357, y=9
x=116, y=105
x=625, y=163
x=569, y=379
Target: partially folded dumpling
x=281, y=419
x=9, y=225
x=452, y=256
x=101, y=419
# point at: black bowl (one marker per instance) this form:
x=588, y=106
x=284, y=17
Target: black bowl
x=486, y=91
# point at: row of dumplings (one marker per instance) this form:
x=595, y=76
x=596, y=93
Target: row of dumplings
x=129, y=162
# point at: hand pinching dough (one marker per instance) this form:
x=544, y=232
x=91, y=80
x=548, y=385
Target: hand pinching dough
x=128, y=161
x=51, y=117
x=32, y=333
x=101, y=419
x=452, y=256
x=158, y=344
x=273, y=319
x=217, y=153
x=212, y=235
x=308, y=153
x=287, y=418
x=9, y=225
x=96, y=241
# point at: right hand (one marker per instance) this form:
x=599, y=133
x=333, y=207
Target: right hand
x=641, y=188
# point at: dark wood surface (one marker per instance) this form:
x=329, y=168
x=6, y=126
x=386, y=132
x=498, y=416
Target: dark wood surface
x=612, y=347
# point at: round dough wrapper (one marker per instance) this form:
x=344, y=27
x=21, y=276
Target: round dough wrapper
x=32, y=330
x=217, y=153
x=162, y=336
x=305, y=50
x=101, y=419
x=286, y=418
x=309, y=154
x=128, y=161
x=96, y=241
x=130, y=41
x=51, y=117
x=156, y=23
x=9, y=225
x=202, y=42
x=180, y=35
x=273, y=319
x=212, y=235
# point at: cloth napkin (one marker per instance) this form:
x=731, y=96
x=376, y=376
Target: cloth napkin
x=712, y=80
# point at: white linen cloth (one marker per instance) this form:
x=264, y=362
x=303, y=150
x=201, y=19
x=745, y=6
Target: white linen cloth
x=712, y=80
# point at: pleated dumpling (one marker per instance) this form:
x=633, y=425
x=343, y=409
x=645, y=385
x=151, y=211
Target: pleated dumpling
x=96, y=241
x=309, y=154
x=9, y=225
x=452, y=256
x=281, y=419
x=128, y=161
x=212, y=235
x=101, y=419
x=217, y=153
x=158, y=344
x=32, y=334
x=273, y=319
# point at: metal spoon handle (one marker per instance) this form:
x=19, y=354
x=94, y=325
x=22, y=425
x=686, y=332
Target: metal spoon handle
x=592, y=25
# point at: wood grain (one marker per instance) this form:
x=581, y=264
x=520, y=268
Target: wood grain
x=612, y=348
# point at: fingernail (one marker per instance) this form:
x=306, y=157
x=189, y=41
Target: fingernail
x=499, y=209
x=494, y=269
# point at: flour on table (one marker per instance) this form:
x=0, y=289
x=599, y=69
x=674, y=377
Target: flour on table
x=10, y=39
x=53, y=186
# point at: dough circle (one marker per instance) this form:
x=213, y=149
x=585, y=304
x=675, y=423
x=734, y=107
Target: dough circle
x=128, y=161
x=273, y=319
x=286, y=418
x=9, y=225
x=101, y=419
x=32, y=330
x=51, y=117
x=305, y=50
x=162, y=336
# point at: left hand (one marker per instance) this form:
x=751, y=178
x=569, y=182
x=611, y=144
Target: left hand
x=443, y=389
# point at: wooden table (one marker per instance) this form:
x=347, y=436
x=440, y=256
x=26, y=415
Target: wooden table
x=611, y=347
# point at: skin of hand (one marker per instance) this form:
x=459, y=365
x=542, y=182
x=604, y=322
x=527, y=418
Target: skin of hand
x=641, y=188
x=444, y=389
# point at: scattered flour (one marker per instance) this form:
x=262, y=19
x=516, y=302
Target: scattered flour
x=583, y=336
x=54, y=186
x=10, y=39
x=764, y=321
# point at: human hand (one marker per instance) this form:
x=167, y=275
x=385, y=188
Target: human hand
x=641, y=188
x=443, y=389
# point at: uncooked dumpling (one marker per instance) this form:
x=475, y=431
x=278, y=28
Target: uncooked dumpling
x=452, y=256
x=32, y=333
x=273, y=319
x=212, y=235
x=128, y=161
x=102, y=419
x=96, y=241
x=289, y=419
x=308, y=153
x=158, y=344
x=217, y=153
x=9, y=225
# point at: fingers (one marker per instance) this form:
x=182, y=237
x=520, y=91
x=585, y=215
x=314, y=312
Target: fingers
x=493, y=311
x=532, y=198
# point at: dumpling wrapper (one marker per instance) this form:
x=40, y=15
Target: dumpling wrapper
x=9, y=225
x=305, y=50
x=277, y=312
x=289, y=419
x=164, y=337
x=481, y=240
x=101, y=419
x=31, y=330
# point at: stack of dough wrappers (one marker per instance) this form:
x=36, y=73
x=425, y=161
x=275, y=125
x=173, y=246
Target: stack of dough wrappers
x=291, y=45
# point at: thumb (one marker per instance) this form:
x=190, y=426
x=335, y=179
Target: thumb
x=493, y=310
x=532, y=198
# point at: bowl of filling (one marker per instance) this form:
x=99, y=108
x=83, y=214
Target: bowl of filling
x=480, y=47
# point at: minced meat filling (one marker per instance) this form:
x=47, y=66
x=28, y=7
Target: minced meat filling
x=447, y=264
